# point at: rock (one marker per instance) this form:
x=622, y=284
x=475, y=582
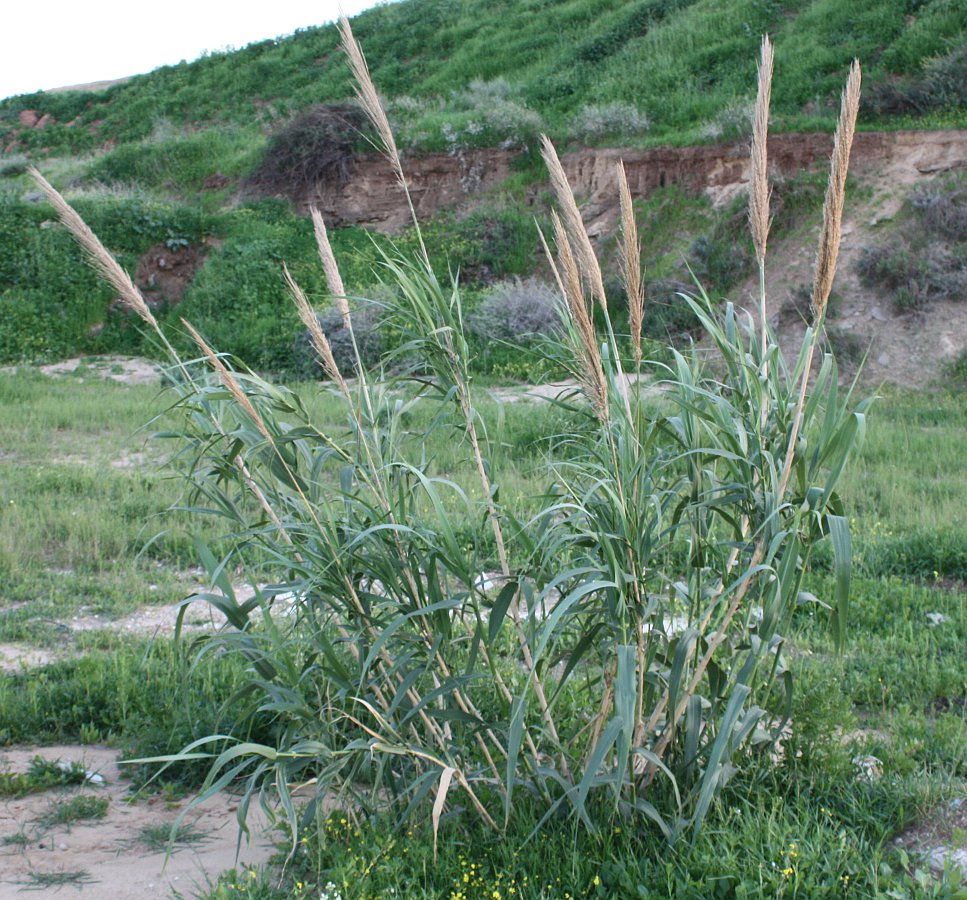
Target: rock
x=868, y=768
x=879, y=315
x=28, y=118
x=45, y=120
x=942, y=858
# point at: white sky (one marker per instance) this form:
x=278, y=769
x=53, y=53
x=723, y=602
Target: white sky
x=52, y=43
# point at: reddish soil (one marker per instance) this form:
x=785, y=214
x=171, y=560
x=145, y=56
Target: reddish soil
x=164, y=273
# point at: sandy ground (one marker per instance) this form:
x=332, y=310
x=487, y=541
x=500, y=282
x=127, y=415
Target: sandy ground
x=123, y=369
x=110, y=852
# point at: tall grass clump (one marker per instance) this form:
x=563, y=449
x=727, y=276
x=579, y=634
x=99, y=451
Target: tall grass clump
x=619, y=654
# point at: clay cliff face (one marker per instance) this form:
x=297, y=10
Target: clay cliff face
x=438, y=181
x=909, y=348
x=372, y=195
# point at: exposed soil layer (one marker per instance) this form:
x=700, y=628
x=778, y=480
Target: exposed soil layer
x=372, y=195
x=722, y=170
x=911, y=348
x=165, y=272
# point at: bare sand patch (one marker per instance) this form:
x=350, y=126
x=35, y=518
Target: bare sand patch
x=14, y=657
x=113, y=851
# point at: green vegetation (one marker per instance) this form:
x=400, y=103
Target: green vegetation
x=80, y=808
x=41, y=775
x=899, y=692
x=600, y=647
x=163, y=837
x=924, y=258
x=188, y=143
x=41, y=881
x=680, y=63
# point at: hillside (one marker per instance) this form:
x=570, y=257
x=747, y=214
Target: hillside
x=681, y=65
x=197, y=175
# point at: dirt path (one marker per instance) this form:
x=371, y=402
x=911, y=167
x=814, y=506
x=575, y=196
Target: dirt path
x=121, y=855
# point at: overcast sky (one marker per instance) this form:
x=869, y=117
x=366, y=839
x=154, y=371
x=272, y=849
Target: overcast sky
x=45, y=45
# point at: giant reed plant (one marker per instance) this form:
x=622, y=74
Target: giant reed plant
x=627, y=656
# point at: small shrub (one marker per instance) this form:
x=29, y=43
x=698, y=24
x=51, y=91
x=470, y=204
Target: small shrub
x=316, y=147
x=489, y=113
x=369, y=330
x=848, y=346
x=594, y=122
x=82, y=808
x=942, y=208
x=12, y=166
x=669, y=317
x=510, y=327
x=957, y=370
x=517, y=312
x=731, y=123
x=915, y=276
x=925, y=258
x=798, y=306
x=942, y=84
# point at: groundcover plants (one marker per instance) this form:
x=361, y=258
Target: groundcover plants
x=613, y=660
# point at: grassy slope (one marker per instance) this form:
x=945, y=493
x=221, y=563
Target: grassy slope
x=683, y=63
x=680, y=61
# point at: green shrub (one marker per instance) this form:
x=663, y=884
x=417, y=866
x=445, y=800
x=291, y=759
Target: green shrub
x=941, y=85
x=721, y=257
x=179, y=162
x=594, y=123
x=732, y=123
x=369, y=339
x=924, y=260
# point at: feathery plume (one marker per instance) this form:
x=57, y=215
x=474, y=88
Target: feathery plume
x=590, y=369
x=550, y=259
x=759, y=191
x=230, y=382
x=630, y=262
x=333, y=278
x=102, y=261
x=369, y=100
x=318, y=337
x=574, y=225
x=835, y=194
x=366, y=94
